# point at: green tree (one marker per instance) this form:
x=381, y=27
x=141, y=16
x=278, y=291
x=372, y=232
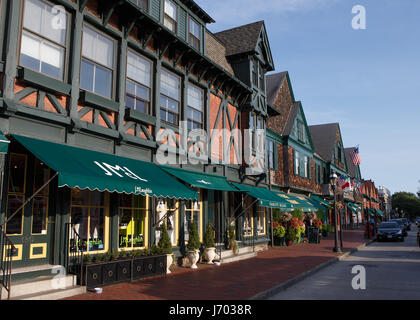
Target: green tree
x=165, y=243
x=406, y=202
x=194, y=241
x=208, y=237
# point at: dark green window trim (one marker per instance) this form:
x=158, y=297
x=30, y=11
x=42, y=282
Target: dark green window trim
x=91, y=127
x=139, y=141
x=43, y=81
x=98, y=101
x=138, y=116
x=37, y=113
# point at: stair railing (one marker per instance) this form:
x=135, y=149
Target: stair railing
x=74, y=253
x=7, y=251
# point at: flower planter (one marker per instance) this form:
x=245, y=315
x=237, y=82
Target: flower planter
x=169, y=261
x=210, y=254
x=193, y=257
x=107, y=273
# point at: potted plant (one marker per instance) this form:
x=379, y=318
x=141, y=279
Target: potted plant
x=279, y=233
x=166, y=246
x=232, y=244
x=290, y=235
x=210, y=249
x=193, y=245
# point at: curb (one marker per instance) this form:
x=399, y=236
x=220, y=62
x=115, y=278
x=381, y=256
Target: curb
x=285, y=285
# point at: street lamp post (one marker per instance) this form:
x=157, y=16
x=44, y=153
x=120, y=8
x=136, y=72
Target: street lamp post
x=333, y=182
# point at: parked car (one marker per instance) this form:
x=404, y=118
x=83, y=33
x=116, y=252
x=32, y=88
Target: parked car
x=390, y=231
x=407, y=223
x=402, y=225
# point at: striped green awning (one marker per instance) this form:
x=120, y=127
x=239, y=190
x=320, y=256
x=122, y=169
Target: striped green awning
x=318, y=200
x=200, y=180
x=4, y=143
x=379, y=212
x=352, y=209
x=86, y=169
x=306, y=203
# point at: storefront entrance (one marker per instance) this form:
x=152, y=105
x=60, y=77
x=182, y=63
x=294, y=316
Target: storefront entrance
x=31, y=227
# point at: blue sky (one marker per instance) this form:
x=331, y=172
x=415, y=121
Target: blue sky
x=367, y=80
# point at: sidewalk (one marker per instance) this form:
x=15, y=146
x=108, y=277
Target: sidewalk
x=236, y=281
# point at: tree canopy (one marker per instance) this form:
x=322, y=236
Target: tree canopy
x=406, y=202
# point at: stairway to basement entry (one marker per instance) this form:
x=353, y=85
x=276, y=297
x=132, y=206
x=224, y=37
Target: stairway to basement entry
x=39, y=283
x=227, y=256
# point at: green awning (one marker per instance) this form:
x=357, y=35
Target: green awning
x=306, y=204
x=352, y=209
x=86, y=169
x=367, y=197
x=379, y=212
x=4, y=143
x=267, y=198
x=201, y=180
x=323, y=202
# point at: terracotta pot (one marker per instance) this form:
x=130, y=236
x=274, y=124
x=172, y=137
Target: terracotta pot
x=193, y=257
x=210, y=254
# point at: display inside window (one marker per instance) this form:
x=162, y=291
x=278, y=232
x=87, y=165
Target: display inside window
x=43, y=48
x=88, y=219
x=261, y=220
x=248, y=226
x=97, y=63
x=192, y=213
x=132, y=222
x=166, y=213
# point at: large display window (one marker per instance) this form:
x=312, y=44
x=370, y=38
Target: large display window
x=167, y=211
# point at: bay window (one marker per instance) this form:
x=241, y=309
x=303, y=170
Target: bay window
x=43, y=48
x=97, y=63
x=138, y=84
x=170, y=97
x=195, y=107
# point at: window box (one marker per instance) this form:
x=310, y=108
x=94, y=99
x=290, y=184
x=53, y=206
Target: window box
x=40, y=80
x=108, y=273
x=98, y=101
x=131, y=114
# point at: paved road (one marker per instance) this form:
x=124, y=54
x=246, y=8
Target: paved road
x=392, y=272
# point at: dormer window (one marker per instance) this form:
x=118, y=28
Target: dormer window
x=301, y=131
x=170, y=15
x=194, y=38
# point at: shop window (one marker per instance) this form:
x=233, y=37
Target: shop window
x=193, y=213
x=43, y=48
x=170, y=97
x=132, y=222
x=138, y=82
x=248, y=218
x=40, y=202
x=167, y=213
x=195, y=108
x=170, y=15
x=261, y=212
x=16, y=193
x=194, y=37
x=89, y=219
x=97, y=63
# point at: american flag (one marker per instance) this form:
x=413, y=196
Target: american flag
x=355, y=157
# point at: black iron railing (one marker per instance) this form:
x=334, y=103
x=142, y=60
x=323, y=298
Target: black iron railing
x=74, y=252
x=7, y=251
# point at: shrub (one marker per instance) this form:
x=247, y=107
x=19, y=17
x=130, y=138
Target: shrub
x=291, y=234
x=297, y=213
x=208, y=237
x=194, y=241
x=279, y=231
x=164, y=242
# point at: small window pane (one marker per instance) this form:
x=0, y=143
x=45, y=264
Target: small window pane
x=39, y=215
x=170, y=9
x=97, y=229
x=170, y=85
x=52, y=58
x=194, y=28
x=87, y=75
x=103, y=82
x=80, y=220
x=14, y=225
x=138, y=69
x=195, y=97
x=97, y=47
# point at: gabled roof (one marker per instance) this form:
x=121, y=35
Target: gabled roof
x=324, y=138
x=245, y=39
x=194, y=7
x=291, y=120
x=274, y=83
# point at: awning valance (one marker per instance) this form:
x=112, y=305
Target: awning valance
x=297, y=202
x=267, y=198
x=306, y=203
x=4, y=143
x=323, y=202
x=200, y=180
x=86, y=169
x=352, y=209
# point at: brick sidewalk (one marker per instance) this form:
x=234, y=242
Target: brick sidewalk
x=236, y=281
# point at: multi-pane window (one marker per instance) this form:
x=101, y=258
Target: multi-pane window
x=132, y=222
x=143, y=4
x=40, y=202
x=16, y=193
x=194, y=37
x=169, y=97
x=43, y=48
x=270, y=155
x=297, y=164
x=138, y=85
x=261, y=212
x=192, y=213
x=195, y=108
x=301, y=131
x=248, y=218
x=88, y=219
x=170, y=15
x=97, y=63
x=167, y=213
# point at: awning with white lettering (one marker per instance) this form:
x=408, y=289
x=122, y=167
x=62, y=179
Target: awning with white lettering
x=86, y=169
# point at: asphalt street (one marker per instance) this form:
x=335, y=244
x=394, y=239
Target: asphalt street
x=392, y=273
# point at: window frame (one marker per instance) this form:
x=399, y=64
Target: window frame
x=191, y=19
x=166, y=16
x=175, y=217
x=113, y=70
x=192, y=211
x=170, y=98
x=202, y=124
x=127, y=78
x=45, y=196
x=22, y=29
